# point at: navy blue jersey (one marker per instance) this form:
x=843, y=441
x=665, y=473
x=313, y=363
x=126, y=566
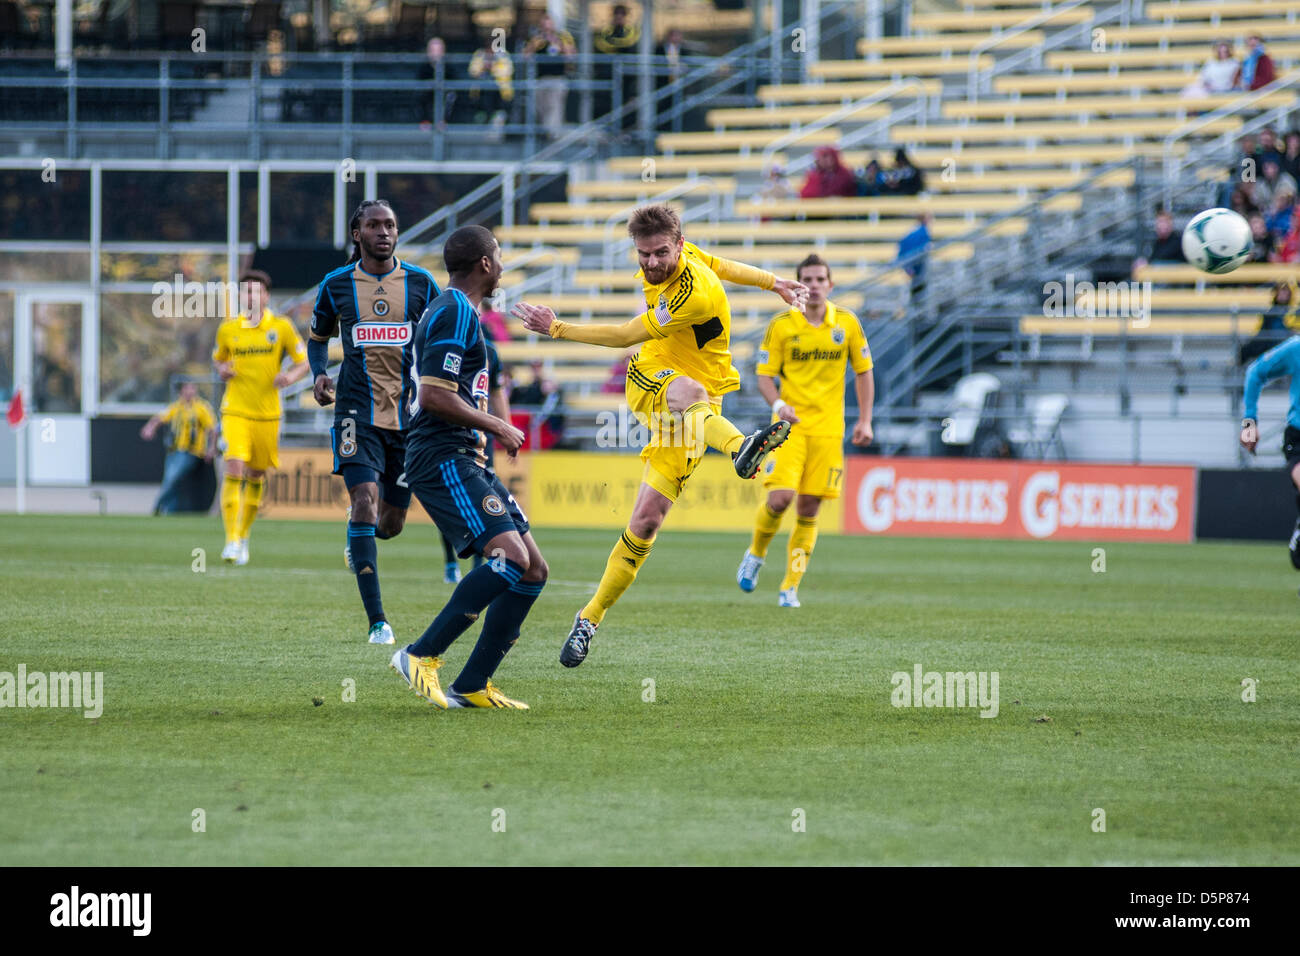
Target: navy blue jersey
x=450, y=353
x=375, y=316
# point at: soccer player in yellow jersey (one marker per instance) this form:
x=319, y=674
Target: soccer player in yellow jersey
x=675, y=385
x=807, y=349
x=251, y=349
x=194, y=440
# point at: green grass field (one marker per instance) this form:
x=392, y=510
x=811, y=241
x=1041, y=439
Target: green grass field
x=209, y=680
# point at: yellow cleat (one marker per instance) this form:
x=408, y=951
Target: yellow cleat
x=489, y=696
x=421, y=674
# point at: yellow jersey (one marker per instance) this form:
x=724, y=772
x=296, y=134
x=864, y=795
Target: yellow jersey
x=689, y=321
x=258, y=352
x=190, y=422
x=809, y=359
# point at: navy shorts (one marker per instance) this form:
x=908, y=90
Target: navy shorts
x=365, y=453
x=1291, y=448
x=467, y=502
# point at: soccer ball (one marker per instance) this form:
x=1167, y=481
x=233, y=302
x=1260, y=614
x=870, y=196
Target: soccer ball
x=1217, y=241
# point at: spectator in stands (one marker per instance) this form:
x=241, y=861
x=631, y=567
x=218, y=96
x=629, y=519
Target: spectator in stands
x=1277, y=323
x=916, y=241
x=1263, y=238
x=1291, y=158
x=621, y=38
x=672, y=49
x=1267, y=149
x=1271, y=182
x=1287, y=244
x=491, y=101
x=616, y=384
x=872, y=180
x=1241, y=200
x=1218, y=74
x=904, y=179
x=776, y=187
x=829, y=176
x=435, y=57
x=193, y=443
x=543, y=394
x=494, y=323
x=557, y=51
x=1167, y=245
x=1279, y=216
x=1256, y=68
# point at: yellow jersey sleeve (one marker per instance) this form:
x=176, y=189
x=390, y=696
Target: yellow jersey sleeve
x=169, y=412
x=859, y=351
x=732, y=271
x=222, y=351
x=206, y=416
x=772, y=349
x=293, y=344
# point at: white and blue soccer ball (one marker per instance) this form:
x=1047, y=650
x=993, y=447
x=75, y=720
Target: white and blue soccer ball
x=1217, y=241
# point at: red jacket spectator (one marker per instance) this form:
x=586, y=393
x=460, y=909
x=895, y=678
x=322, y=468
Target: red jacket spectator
x=1256, y=68
x=829, y=176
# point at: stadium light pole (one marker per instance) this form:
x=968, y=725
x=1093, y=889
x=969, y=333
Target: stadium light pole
x=644, y=86
x=63, y=34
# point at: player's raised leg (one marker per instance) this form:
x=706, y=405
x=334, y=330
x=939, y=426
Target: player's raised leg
x=702, y=423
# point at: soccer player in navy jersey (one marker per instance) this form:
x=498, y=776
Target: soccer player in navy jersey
x=446, y=467
x=373, y=304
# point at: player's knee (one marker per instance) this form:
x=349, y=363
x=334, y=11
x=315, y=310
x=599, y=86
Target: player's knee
x=509, y=548
x=364, y=506
x=1295, y=477
x=808, y=506
x=391, y=523
x=684, y=392
x=778, y=501
x=645, y=526
x=538, y=570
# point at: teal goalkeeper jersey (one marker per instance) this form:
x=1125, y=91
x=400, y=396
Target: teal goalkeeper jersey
x=1280, y=360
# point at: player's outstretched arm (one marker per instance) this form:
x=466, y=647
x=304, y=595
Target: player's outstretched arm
x=1281, y=360
x=540, y=319
x=793, y=293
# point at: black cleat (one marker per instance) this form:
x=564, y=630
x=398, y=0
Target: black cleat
x=758, y=446
x=575, y=648
x=1294, y=546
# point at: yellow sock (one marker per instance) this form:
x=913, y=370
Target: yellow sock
x=231, y=487
x=253, y=488
x=766, y=525
x=624, y=562
x=700, y=421
x=802, y=540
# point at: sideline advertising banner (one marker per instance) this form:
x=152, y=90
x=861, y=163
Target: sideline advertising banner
x=959, y=497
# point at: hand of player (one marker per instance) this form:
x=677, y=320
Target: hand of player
x=787, y=414
x=862, y=434
x=511, y=438
x=536, y=318
x=226, y=370
x=148, y=431
x=323, y=390
x=794, y=293
x=1250, y=438
x=281, y=380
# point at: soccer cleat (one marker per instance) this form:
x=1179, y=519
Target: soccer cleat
x=758, y=446
x=230, y=553
x=1294, y=546
x=489, y=696
x=421, y=673
x=575, y=648
x=747, y=576
x=381, y=633
x=788, y=598
x=243, y=553
x=451, y=573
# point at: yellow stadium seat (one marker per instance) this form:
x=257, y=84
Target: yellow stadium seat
x=585, y=212
x=1223, y=8
x=1169, y=103
x=1232, y=31
x=1191, y=55
x=833, y=92
x=898, y=66
x=700, y=163
x=954, y=42
x=899, y=205
x=1095, y=82
x=1256, y=272
x=1169, y=324
x=790, y=115
x=1094, y=129
x=994, y=19
x=638, y=189
x=743, y=140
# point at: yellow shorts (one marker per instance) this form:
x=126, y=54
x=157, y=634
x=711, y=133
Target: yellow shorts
x=670, y=455
x=809, y=464
x=255, y=443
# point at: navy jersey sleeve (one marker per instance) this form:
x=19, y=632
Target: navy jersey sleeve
x=494, y=365
x=325, y=317
x=451, y=328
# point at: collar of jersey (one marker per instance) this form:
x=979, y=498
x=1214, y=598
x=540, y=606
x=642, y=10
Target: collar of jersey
x=396, y=263
x=828, y=320
x=244, y=322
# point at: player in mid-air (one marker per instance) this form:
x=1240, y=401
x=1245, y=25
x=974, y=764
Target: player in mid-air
x=1280, y=360
x=807, y=351
x=446, y=466
x=373, y=304
x=250, y=352
x=675, y=385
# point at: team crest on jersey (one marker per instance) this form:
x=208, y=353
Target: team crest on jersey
x=366, y=334
x=381, y=307
x=493, y=506
x=762, y=357
x=347, y=448
x=770, y=466
x=661, y=311
x=837, y=336
x=270, y=336
x=451, y=363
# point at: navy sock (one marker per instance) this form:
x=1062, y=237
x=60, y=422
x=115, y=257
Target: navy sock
x=476, y=591
x=500, y=631
x=361, y=539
